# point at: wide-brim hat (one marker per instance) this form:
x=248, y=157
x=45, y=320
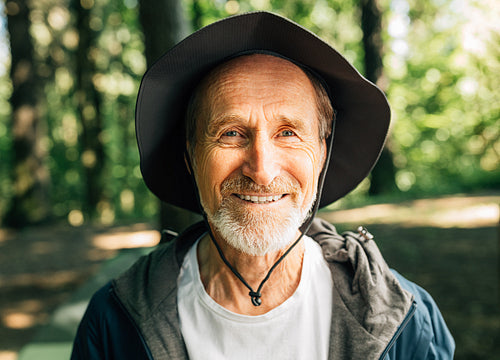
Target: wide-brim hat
x=362, y=120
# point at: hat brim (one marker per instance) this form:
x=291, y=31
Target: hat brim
x=363, y=114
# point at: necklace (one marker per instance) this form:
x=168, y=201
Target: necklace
x=255, y=296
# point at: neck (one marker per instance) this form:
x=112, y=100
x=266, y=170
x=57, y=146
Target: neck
x=228, y=291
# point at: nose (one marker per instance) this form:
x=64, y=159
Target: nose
x=261, y=163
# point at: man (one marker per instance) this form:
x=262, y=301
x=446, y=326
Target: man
x=255, y=123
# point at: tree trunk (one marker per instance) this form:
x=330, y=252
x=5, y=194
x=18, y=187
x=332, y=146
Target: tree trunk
x=30, y=202
x=371, y=24
x=164, y=25
x=89, y=109
x=383, y=175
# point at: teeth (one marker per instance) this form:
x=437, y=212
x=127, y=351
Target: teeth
x=260, y=199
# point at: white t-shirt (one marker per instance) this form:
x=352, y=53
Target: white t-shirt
x=297, y=329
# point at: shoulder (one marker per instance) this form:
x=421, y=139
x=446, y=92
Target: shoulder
x=426, y=334
x=103, y=310
x=106, y=331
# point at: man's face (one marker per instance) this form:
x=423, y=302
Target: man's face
x=258, y=154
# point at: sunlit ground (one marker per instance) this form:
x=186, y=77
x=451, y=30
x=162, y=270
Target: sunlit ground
x=8, y=355
x=124, y=240
x=41, y=267
x=447, y=212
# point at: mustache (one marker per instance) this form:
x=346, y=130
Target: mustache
x=242, y=184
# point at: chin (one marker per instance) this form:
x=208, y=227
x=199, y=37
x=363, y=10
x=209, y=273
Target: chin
x=257, y=233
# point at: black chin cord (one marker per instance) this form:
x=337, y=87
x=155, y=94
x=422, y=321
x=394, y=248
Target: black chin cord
x=255, y=296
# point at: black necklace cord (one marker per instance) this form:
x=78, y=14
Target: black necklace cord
x=255, y=296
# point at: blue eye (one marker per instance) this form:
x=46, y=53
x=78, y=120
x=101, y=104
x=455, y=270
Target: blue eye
x=231, y=133
x=287, y=133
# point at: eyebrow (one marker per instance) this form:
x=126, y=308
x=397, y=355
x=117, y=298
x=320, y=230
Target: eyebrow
x=293, y=122
x=217, y=123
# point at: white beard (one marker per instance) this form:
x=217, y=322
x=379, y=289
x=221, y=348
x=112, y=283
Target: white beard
x=260, y=232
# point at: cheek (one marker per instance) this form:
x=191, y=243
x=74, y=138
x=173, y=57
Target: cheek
x=202, y=166
x=213, y=162
x=213, y=166
x=305, y=167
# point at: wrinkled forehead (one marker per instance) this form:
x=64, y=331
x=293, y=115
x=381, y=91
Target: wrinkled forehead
x=245, y=70
x=256, y=63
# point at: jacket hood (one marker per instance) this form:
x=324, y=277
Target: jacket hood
x=369, y=304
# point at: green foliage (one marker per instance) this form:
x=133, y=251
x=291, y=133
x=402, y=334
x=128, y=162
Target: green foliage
x=5, y=143
x=5, y=138
x=442, y=91
x=120, y=65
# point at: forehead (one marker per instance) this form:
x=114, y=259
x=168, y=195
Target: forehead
x=257, y=79
x=255, y=69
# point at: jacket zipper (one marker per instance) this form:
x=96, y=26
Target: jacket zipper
x=122, y=307
x=403, y=325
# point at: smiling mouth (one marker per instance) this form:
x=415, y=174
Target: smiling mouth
x=260, y=199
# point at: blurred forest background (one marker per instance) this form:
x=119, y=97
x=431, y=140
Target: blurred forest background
x=70, y=71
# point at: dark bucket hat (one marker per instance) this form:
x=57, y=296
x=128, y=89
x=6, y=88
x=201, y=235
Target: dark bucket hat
x=363, y=113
